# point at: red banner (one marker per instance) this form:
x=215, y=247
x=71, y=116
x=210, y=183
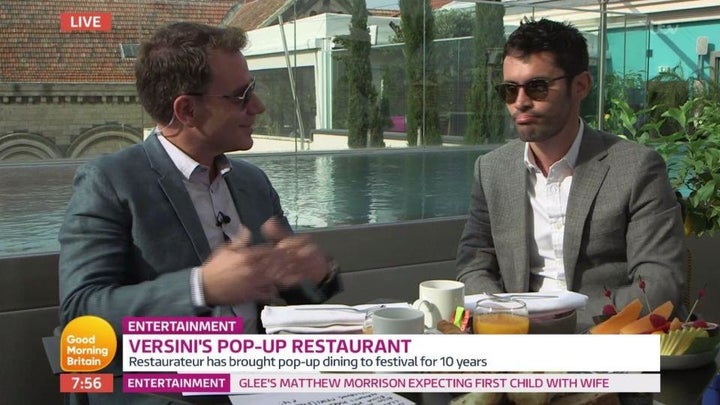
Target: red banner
x=70, y=22
x=86, y=382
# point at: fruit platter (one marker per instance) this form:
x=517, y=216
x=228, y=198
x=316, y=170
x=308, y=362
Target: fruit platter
x=683, y=344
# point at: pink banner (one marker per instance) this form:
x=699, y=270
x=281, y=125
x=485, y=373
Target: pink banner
x=182, y=325
x=218, y=383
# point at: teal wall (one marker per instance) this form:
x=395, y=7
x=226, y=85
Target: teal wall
x=671, y=45
x=627, y=50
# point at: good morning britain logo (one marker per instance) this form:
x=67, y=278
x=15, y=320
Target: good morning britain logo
x=87, y=344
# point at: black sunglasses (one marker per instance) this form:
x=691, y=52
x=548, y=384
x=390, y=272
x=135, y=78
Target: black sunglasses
x=242, y=99
x=536, y=89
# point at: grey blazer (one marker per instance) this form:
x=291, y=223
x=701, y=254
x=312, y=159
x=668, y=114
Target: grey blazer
x=622, y=222
x=131, y=236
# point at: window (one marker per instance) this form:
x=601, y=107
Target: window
x=129, y=51
x=75, y=100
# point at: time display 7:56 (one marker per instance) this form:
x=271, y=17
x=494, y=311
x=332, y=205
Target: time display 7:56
x=86, y=382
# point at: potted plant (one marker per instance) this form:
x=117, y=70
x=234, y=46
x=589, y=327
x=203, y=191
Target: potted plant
x=687, y=136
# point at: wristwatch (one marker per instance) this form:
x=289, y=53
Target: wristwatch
x=331, y=285
x=307, y=292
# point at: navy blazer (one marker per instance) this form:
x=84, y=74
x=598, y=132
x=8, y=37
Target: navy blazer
x=131, y=235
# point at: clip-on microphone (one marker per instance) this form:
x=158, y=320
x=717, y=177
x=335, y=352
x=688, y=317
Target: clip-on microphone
x=221, y=219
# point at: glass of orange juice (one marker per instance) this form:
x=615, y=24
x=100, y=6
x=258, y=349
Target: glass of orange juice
x=500, y=316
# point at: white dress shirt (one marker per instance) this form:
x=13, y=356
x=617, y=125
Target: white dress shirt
x=210, y=200
x=548, y=199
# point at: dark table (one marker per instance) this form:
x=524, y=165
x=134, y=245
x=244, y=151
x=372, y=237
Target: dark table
x=676, y=387
x=686, y=386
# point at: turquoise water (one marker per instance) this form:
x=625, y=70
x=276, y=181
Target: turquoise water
x=316, y=190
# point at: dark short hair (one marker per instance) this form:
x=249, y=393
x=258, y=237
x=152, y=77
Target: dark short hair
x=563, y=40
x=175, y=61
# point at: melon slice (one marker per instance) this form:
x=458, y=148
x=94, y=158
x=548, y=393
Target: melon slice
x=675, y=324
x=644, y=325
x=613, y=325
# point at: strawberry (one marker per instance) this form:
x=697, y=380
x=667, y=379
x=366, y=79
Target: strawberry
x=664, y=327
x=609, y=310
x=657, y=320
x=700, y=324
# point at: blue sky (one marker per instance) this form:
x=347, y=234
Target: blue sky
x=391, y=4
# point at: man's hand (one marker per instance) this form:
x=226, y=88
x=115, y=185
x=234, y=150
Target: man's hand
x=238, y=272
x=301, y=258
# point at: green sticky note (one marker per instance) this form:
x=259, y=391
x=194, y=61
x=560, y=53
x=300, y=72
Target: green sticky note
x=457, y=320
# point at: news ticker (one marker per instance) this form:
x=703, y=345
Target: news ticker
x=217, y=384
x=185, y=354
x=392, y=382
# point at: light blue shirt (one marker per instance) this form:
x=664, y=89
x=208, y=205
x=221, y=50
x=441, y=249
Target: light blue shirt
x=211, y=200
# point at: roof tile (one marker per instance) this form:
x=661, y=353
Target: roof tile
x=34, y=49
x=252, y=15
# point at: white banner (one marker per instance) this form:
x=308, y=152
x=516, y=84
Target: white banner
x=218, y=353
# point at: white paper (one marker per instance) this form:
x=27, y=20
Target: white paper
x=320, y=318
x=338, y=398
x=557, y=301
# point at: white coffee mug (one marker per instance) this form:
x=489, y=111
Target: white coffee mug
x=388, y=321
x=439, y=299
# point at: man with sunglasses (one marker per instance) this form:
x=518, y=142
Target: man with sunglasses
x=567, y=207
x=172, y=227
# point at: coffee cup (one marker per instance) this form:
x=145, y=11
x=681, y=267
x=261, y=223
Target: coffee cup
x=401, y=321
x=438, y=299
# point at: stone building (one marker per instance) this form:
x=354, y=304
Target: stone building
x=72, y=94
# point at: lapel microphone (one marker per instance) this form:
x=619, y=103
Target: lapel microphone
x=221, y=219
